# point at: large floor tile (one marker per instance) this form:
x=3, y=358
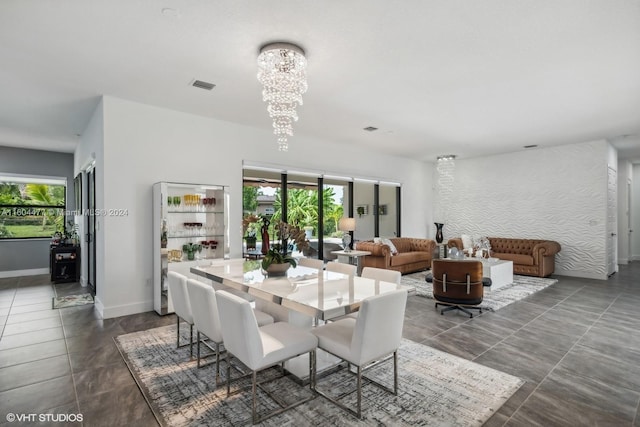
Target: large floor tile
x=28, y=308
x=34, y=315
x=38, y=397
x=132, y=409
x=97, y=380
x=32, y=325
x=33, y=372
x=543, y=410
x=30, y=353
x=28, y=338
x=529, y=360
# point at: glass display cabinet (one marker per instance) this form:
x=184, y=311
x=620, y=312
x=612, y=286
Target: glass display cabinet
x=190, y=223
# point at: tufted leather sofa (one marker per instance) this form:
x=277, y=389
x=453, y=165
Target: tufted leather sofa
x=413, y=254
x=530, y=257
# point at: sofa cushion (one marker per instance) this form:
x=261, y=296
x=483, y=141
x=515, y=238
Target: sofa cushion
x=516, y=258
x=467, y=241
x=409, y=257
x=389, y=243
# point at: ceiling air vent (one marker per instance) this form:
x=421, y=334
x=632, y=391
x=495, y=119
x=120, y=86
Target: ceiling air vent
x=203, y=85
x=530, y=146
x=370, y=128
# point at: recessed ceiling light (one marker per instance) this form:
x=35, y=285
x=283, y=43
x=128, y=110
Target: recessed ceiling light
x=530, y=146
x=370, y=128
x=174, y=13
x=202, y=84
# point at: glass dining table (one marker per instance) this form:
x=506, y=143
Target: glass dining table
x=304, y=297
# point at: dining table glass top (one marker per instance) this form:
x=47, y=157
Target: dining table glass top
x=316, y=293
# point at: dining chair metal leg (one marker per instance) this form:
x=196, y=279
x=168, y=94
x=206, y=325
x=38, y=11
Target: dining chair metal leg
x=198, y=349
x=217, y=362
x=228, y=373
x=254, y=386
x=178, y=333
x=190, y=336
x=359, y=392
x=395, y=372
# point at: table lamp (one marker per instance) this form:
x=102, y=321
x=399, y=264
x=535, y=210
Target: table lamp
x=347, y=225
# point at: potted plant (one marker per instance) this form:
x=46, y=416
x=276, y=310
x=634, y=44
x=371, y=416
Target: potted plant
x=308, y=231
x=250, y=232
x=278, y=258
x=190, y=249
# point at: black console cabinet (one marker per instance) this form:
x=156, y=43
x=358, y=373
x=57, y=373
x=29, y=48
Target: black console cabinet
x=65, y=264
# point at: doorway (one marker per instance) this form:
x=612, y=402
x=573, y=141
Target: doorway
x=90, y=226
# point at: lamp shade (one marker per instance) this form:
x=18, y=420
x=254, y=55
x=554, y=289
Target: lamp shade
x=347, y=224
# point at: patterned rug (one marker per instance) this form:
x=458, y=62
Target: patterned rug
x=72, y=300
x=435, y=389
x=522, y=287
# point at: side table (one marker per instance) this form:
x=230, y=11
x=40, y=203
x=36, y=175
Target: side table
x=352, y=257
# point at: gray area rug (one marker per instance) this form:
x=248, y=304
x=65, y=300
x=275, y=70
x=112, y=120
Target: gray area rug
x=435, y=389
x=522, y=287
x=72, y=300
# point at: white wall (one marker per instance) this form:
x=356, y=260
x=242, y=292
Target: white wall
x=635, y=214
x=556, y=193
x=91, y=150
x=145, y=144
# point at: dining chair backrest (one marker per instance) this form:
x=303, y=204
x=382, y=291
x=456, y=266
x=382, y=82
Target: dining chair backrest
x=204, y=308
x=311, y=263
x=340, y=267
x=382, y=274
x=378, y=329
x=240, y=330
x=179, y=296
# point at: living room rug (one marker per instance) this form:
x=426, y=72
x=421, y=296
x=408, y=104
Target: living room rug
x=72, y=300
x=435, y=389
x=522, y=287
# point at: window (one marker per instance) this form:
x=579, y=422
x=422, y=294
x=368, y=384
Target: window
x=31, y=207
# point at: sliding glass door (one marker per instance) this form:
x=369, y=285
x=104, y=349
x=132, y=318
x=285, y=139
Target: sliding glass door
x=316, y=203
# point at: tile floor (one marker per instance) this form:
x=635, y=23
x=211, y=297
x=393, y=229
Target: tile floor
x=577, y=345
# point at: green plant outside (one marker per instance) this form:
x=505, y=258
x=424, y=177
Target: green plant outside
x=20, y=231
x=47, y=199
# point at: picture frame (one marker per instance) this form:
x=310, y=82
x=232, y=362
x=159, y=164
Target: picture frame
x=362, y=210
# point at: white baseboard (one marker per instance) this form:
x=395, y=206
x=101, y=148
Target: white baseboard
x=30, y=272
x=123, y=310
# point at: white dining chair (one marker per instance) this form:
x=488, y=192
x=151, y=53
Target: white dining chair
x=181, y=305
x=377, y=274
x=204, y=307
x=373, y=335
x=340, y=267
x=382, y=274
x=311, y=263
x=259, y=348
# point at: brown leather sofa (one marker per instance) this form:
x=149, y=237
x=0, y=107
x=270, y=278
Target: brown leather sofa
x=413, y=254
x=530, y=257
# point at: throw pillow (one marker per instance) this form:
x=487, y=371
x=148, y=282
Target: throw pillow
x=377, y=240
x=467, y=242
x=389, y=243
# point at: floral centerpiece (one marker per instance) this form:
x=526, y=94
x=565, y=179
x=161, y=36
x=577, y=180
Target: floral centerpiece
x=279, y=254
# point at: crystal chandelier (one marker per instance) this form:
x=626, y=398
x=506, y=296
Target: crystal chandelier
x=282, y=72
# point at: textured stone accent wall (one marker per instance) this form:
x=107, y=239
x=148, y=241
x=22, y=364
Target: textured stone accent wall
x=556, y=193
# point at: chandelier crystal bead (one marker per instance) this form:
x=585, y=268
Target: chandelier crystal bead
x=282, y=73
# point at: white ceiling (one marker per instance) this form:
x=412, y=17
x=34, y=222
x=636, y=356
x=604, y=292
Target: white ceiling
x=458, y=76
